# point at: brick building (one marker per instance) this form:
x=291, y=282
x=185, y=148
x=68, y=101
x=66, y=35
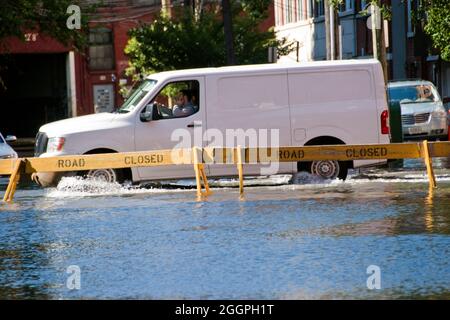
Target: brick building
x=47, y=81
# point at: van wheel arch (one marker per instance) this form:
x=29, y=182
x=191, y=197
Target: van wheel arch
x=123, y=174
x=325, y=140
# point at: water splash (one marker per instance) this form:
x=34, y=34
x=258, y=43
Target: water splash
x=82, y=187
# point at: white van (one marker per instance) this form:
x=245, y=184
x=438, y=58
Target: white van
x=317, y=103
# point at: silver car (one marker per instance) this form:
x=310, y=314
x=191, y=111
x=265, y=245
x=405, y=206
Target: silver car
x=6, y=152
x=423, y=114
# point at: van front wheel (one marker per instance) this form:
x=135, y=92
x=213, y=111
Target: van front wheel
x=328, y=169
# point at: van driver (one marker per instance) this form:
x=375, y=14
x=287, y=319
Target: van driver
x=184, y=107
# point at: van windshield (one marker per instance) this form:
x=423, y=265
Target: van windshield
x=413, y=94
x=136, y=95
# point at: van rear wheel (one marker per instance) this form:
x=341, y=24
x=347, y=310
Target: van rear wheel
x=326, y=169
x=106, y=175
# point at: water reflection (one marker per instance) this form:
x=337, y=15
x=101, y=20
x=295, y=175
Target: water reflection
x=284, y=241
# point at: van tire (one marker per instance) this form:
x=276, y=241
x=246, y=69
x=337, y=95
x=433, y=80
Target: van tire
x=106, y=175
x=329, y=169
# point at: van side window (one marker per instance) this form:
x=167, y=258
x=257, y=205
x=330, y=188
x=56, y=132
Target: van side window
x=177, y=100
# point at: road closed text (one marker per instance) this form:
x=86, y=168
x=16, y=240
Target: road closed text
x=366, y=152
x=144, y=159
x=71, y=163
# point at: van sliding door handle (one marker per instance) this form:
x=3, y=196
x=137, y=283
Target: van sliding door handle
x=194, y=125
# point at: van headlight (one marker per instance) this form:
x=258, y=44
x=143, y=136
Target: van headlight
x=55, y=144
x=440, y=113
x=9, y=156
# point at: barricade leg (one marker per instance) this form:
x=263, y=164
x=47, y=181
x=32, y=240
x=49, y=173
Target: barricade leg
x=200, y=175
x=240, y=168
x=429, y=164
x=13, y=181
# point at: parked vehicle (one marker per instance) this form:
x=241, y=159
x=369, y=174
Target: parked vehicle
x=423, y=113
x=6, y=152
x=318, y=103
x=447, y=108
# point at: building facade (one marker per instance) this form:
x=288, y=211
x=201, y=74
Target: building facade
x=409, y=51
x=303, y=22
x=46, y=81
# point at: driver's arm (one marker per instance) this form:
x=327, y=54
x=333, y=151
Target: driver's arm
x=165, y=111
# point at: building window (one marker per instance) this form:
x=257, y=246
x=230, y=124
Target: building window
x=277, y=14
x=288, y=10
x=123, y=3
x=101, y=49
x=311, y=8
x=411, y=29
x=346, y=5
x=319, y=8
x=280, y=15
x=300, y=10
x=145, y=2
x=363, y=5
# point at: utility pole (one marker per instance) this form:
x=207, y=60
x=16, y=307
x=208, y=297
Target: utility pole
x=375, y=24
x=378, y=37
x=337, y=35
x=332, y=34
x=327, y=28
x=228, y=29
x=383, y=57
x=331, y=30
x=165, y=8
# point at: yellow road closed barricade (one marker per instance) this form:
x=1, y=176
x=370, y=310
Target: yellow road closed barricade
x=239, y=156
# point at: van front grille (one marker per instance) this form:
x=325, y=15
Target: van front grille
x=40, y=146
x=409, y=119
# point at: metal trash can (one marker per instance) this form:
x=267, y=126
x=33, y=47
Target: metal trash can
x=395, y=124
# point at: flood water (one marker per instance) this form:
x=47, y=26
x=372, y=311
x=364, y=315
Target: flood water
x=279, y=241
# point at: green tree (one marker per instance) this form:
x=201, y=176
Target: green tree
x=438, y=25
x=167, y=44
x=186, y=42
x=46, y=16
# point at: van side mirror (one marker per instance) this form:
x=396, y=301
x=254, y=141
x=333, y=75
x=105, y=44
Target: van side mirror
x=149, y=113
x=11, y=138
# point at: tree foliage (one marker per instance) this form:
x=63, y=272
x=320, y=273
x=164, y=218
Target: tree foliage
x=438, y=25
x=185, y=42
x=46, y=16
x=166, y=44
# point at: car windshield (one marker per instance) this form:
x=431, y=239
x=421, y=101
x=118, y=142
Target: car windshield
x=136, y=95
x=1, y=139
x=413, y=94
